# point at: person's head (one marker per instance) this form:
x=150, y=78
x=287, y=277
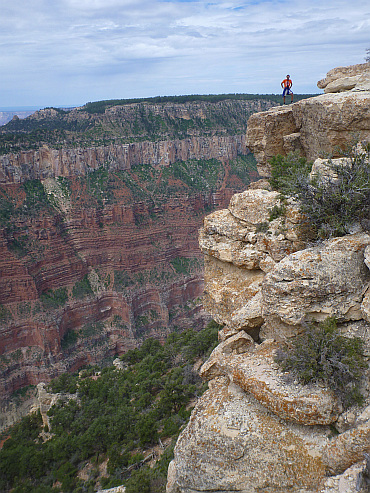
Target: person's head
x=287, y=76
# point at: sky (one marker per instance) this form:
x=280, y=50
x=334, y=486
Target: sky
x=69, y=52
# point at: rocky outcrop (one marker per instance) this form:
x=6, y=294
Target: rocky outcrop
x=256, y=429
x=354, y=77
x=233, y=443
x=253, y=369
x=314, y=127
x=250, y=402
x=239, y=254
x=46, y=399
x=331, y=281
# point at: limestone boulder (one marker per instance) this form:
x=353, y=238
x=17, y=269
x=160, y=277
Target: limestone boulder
x=347, y=482
x=214, y=366
x=229, y=238
x=330, y=121
x=324, y=169
x=327, y=280
x=233, y=443
x=347, y=449
x=253, y=206
x=235, y=235
x=249, y=316
x=346, y=78
x=228, y=288
x=238, y=253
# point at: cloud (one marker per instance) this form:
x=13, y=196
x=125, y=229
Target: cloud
x=72, y=51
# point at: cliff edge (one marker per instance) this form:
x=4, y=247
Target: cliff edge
x=321, y=126
x=254, y=430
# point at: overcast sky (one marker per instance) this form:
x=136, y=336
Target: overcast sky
x=69, y=52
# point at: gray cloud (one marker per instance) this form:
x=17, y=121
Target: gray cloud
x=73, y=51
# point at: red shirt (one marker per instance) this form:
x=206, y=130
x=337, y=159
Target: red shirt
x=287, y=82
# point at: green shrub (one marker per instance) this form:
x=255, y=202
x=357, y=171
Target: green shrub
x=262, y=227
x=69, y=339
x=54, y=299
x=287, y=172
x=122, y=279
x=184, y=265
x=36, y=197
x=139, y=481
x=277, y=211
x=331, y=204
x=82, y=288
x=5, y=314
x=321, y=354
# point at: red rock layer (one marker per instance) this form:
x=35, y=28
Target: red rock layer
x=138, y=240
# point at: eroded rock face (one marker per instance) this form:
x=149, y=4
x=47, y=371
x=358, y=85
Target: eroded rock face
x=240, y=246
x=316, y=283
x=233, y=443
x=253, y=369
x=49, y=163
x=125, y=249
x=266, y=132
x=256, y=430
x=315, y=127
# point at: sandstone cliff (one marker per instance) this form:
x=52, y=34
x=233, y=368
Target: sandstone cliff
x=254, y=430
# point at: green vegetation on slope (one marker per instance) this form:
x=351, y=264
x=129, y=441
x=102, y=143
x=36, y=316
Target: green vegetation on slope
x=101, y=106
x=118, y=414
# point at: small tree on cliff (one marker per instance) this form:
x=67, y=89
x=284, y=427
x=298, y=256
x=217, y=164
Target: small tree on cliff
x=331, y=203
x=322, y=354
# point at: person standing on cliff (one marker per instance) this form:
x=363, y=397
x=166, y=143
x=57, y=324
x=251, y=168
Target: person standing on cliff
x=286, y=85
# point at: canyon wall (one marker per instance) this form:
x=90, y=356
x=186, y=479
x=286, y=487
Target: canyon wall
x=50, y=163
x=98, y=243
x=255, y=429
x=81, y=281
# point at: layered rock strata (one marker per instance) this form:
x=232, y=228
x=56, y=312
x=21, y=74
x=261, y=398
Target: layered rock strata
x=255, y=430
x=92, y=265
x=50, y=163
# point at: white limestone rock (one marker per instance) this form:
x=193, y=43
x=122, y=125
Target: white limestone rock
x=233, y=443
x=313, y=284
